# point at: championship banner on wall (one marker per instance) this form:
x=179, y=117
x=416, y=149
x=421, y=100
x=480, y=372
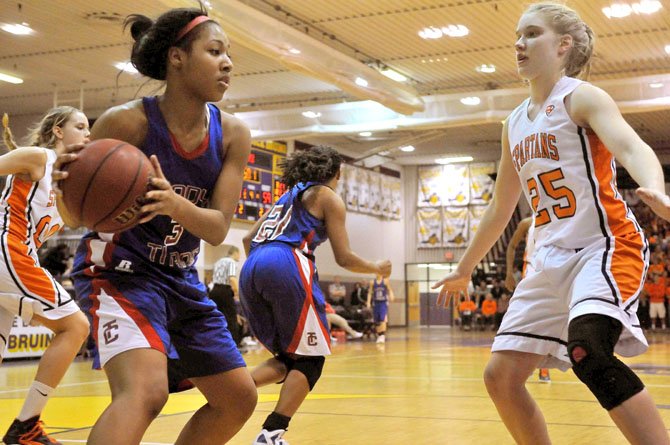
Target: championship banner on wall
x=481, y=184
x=456, y=190
x=476, y=213
x=27, y=341
x=396, y=197
x=430, y=186
x=429, y=223
x=350, y=179
x=363, y=190
x=386, y=196
x=375, y=183
x=455, y=229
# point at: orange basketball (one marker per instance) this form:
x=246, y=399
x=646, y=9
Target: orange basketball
x=106, y=184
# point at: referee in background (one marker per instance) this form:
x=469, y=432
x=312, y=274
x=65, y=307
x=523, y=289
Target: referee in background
x=224, y=289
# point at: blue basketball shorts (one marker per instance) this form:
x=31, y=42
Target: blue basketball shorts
x=170, y=314
x=380, y=311
x=283, y=302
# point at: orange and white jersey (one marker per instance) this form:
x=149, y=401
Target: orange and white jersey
x=28, y=217
x=568, y=176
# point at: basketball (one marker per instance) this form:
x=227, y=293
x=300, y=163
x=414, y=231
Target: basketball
x=106, y=184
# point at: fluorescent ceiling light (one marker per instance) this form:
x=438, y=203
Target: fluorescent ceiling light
x=471, y=100
x=311, y=114
x=384, y=153
x=454, y=160
x=656, y=85
x=407, y=148
x=455, y=30
x=365, y=134
x=294, y=51
x=487, y=69
x=430, y=32
x=361, y=82
x=647, y=6
x=10, y=79
x=17, y=29
x=617, y=10
x=667, y=49
x=393, y=74
x=127, y=67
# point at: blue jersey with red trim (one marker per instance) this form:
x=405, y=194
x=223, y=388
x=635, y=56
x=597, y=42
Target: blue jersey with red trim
x=289, y=222
x=161, y=244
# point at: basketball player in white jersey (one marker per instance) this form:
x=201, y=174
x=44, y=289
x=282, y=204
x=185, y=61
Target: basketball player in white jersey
x=577, y=306
x=28, y=217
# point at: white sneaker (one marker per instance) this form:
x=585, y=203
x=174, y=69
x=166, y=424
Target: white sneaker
x=333, y=339
x=356, y=335
x=266, y=437
x=381, y=339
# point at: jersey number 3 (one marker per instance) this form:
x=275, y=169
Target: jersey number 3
x=567, y=204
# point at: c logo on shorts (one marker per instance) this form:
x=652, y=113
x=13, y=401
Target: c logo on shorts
x=312, y=339
x=108, y=335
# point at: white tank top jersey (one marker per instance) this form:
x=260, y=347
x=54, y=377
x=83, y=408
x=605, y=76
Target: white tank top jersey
x=28, y=213
x=567, y=175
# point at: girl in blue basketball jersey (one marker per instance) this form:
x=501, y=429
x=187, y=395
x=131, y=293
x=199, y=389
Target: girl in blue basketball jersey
x=148, y=310
x=279, y=287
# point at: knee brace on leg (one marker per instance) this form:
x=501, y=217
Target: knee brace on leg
x=591, y=341
x=311, y=367
x=287, y=361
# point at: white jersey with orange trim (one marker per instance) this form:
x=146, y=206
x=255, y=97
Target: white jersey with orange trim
x=567, y=175
x=28, y=217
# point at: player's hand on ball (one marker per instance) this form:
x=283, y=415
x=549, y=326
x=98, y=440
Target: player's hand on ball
x=161, y=199
x=659, y=202
x=65, y=157
x=454, y=284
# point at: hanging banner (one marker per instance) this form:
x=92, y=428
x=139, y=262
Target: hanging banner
x=476, y=213
x=430, y=186
x=456, y=191
x=429, y=224
x=350, y=179
x=455, y=229
x=375, y=181
x=363, y=190
x=481, y=183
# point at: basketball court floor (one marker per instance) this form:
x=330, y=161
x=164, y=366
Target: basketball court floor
x=424, y=386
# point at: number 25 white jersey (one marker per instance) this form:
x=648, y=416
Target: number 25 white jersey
x=567, y=175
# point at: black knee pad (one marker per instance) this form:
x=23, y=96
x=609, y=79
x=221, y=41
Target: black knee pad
x=288, y=361
x=591, y=341
x=311, y=367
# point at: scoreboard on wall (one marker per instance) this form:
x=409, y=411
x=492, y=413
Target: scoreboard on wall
x=262, y=180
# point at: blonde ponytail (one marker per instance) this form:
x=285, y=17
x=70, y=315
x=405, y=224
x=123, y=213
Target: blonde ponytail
x=7, y=136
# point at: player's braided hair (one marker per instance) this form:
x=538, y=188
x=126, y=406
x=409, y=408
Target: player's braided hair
x=315, y=164
x=153, y=39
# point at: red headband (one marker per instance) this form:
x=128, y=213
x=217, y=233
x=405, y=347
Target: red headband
x=190, y=25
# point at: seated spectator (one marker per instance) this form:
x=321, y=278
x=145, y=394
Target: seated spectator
x=359, y=296
x=643, y=313
x=489, y=309
x=655, y=287
x=466, y=312
x=336, y=294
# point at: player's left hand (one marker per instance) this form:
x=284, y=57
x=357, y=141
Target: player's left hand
x=658, y=202
x=160, y=199
x=453, y=285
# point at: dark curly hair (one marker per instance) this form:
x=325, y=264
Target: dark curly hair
x=315, y=164
x=154, y=39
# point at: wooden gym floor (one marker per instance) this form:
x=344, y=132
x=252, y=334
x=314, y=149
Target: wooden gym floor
x=423, y=387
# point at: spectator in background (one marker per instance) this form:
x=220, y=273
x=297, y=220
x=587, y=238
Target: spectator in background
x=656, y=290
x=56, y=260
x=337, y=293
x=359, y=296
x=340, y=322
x=503, y=304
x=643, y=313
x=466, y=312
x=224, y=291
x=489, y=310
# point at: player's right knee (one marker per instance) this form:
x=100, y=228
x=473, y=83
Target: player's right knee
x=311, y=368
